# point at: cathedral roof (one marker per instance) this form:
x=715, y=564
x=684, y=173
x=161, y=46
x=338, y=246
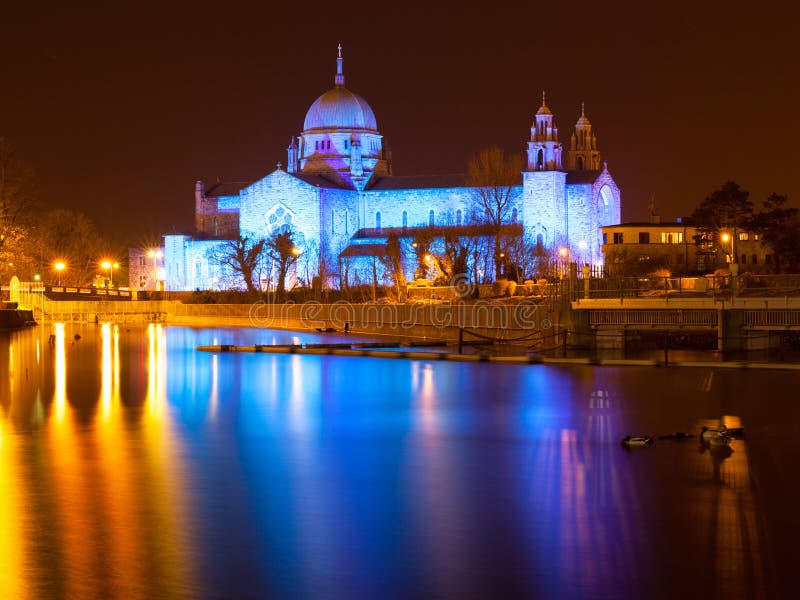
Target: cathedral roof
x=226, y=188
x=411, y=182
x=318, y=180
x=339, y=108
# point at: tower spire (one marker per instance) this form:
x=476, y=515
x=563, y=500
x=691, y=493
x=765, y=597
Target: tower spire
x=339, y=79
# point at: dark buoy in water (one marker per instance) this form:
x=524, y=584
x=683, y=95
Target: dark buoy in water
x=636, y=441
x=77, y=336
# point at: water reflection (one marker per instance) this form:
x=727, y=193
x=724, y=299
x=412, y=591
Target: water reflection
x=128, y=461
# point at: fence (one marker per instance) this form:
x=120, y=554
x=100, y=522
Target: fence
x=710, y=286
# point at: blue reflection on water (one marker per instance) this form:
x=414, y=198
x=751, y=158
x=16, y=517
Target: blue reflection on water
x=318, y=476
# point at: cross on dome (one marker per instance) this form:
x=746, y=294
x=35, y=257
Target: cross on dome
x=339, y=79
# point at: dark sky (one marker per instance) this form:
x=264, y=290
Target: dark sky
x=121, y=106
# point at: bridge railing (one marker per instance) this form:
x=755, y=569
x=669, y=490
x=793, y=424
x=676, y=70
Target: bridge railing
x=709, y=286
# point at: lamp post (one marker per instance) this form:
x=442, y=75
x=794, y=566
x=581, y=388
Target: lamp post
x=59, y=267
x=155, y=255
x=107, y=264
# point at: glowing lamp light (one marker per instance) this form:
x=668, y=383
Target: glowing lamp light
x=296, y=251
x=59, y=267
x=37, y=277
x=726, y=237
x=583, y=245
x=563, y=251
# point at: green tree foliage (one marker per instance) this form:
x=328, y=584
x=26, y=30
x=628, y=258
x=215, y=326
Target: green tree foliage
x=494, y=178
x=778, y=226
x=726, y=209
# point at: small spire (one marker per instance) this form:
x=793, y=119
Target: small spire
x=339, y=79
x=280, y=165
x=583, y=111
x=544, y=103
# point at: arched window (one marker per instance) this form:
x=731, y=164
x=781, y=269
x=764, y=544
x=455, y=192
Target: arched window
x=514, y=215
x=539, y=243
x=378, y=220
x=430, y=218
x=458, y=217
x=333, y=221
x=329, y=144
x=316, y=145
x=346, y=222
x=346, y=144
x=540, y=159
x=580, y=163
x=405, y=219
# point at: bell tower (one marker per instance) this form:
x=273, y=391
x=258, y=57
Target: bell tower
x=544, y=150
x=583, y=154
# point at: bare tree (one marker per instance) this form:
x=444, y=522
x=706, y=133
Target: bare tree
x=494, y=178
x=281, y=249
x=17, y=200
x=392, y=260
x=242, y=256
x=70, y=237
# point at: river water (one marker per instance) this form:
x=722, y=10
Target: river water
x=133, y=466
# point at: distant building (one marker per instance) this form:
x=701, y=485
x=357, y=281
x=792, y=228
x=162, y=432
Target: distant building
x=339, y=183
x=672, y=245
x=146, y=268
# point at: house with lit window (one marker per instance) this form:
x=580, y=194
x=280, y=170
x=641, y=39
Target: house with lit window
x=680, y=248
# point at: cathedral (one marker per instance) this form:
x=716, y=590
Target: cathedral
x=339, y=197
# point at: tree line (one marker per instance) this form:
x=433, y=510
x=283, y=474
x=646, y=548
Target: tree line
x=33, y=239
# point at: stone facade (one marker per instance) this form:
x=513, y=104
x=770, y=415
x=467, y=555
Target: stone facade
x=339, y=181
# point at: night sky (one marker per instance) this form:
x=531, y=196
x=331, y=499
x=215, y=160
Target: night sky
x=122, y=106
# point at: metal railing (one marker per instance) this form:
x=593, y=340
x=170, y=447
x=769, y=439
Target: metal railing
x=710, y=286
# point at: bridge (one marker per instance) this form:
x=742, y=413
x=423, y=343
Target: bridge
x=747, y=313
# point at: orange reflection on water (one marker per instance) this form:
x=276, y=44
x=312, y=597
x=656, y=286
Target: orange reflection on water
x=11, y=510
x=111, y=492
x=60, y=394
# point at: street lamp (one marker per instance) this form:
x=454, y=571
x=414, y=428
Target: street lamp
x=727, y=237
x=59, y=267
x=110, y=266
x=155, y=255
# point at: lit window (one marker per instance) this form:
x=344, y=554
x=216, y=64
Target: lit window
x=377, y=220
x=744, y=236
x=405, y=219
x=430, y=218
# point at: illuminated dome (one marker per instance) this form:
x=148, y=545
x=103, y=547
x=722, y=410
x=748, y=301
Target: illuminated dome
x=339, y=108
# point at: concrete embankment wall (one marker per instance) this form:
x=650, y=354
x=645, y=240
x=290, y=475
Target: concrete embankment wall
x=405, y=320
x=489, y=318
